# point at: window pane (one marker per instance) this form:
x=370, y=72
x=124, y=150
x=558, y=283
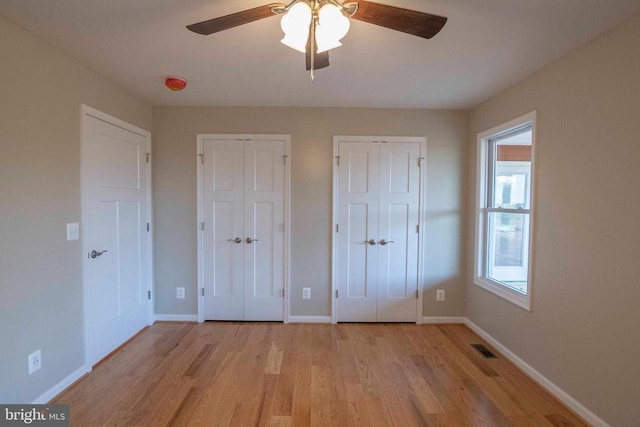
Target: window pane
x=508, y=249
x=511, y=171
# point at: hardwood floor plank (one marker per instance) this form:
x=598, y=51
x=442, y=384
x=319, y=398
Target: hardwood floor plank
x=270, y=374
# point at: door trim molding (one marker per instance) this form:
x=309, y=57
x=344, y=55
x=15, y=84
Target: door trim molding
x=287, y=210
x=337, y=139
x=85, y=112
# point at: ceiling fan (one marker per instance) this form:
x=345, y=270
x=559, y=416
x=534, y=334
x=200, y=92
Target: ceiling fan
x=318, y=25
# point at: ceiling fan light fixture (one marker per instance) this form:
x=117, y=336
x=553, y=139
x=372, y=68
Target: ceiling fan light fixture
x=326, y=40
x=333, y=20
x=332, y=26
x=295, y=25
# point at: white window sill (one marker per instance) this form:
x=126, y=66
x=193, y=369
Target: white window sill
x=514, y=297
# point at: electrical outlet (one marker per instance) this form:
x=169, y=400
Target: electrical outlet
x=73, y=231
x=180, y=293
x=35, y=361
x=306, y=293
x=440, y=295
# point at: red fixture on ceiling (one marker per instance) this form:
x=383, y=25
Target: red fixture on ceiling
x=176, y=84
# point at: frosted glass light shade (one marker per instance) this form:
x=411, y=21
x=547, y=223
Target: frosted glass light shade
x=295, y=25
x=333, y=26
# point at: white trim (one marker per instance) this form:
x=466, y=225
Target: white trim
x=443, y=320
x=309, y=319
x=287, y=212
x=176, y=317
x=546, y=383
x=87, y=111
x=48, y=395
x=200, y=220
x=337, y=139
x=479, y=279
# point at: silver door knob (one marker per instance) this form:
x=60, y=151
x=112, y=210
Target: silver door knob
x=385, y=242
x=371, y=242
x=236, y=240
x=96, y=254
x=249, y=240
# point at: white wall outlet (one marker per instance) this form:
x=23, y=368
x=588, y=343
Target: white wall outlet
x=180, y=293
x=35, y=361
x=440, y=295
x=306, y=293
x=73, y=231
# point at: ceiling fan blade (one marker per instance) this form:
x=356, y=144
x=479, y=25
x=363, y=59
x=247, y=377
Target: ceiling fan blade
x=230, y=21
x=321, y=60
x=408, y=21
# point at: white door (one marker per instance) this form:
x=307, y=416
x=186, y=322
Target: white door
x=116, y=215
x=378, y=199
x=357, y=258
x=243, y=239
x=399, y=215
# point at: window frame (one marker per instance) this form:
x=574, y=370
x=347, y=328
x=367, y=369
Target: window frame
x=481, y=252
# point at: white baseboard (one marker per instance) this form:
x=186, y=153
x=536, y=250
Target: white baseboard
x=48, y=395
x=309, y=319
x=176, y=317
x=551, y=387
x=442, y=320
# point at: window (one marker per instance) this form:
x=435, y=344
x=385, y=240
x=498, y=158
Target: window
x=504, y=208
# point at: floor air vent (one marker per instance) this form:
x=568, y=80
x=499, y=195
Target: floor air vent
x=484, y=351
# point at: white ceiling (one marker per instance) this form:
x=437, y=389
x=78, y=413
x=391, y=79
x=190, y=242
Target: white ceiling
x=485, y=47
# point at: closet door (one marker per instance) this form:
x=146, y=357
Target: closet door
x=357, y=257
x=243, y=244
x=398, y=232
x=264, y=230
x=377, y=206
x=223, y=234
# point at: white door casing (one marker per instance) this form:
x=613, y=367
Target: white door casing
x=377, y=196
x=243, y=190
x=116, y=211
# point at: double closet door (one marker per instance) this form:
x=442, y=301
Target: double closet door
x=243, y=244
x=376, y=249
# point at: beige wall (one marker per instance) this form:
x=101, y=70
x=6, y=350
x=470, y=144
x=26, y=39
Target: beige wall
x=40, y=272
x=582, y=332
x=311, y=130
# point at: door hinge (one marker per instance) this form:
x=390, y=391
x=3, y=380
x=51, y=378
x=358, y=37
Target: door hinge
x=420, y=159
x=418, y=228
x=282, y=292
x=336, y=294
x=148, y=294
x=417, y=294
x=148, y=227
x=148, y=156
x=284, y=157
x=338, y=160
x=337, y=228
x=202, y=291
x=202, y=226
x=201, y=158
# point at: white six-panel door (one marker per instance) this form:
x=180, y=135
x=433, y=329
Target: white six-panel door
x=376, y=249
x=116, y=207
x=243, y=231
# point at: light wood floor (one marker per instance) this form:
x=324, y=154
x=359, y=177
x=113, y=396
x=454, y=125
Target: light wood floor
x=246, y=374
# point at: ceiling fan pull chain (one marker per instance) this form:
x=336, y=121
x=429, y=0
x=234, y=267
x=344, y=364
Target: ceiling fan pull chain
x=314, y=21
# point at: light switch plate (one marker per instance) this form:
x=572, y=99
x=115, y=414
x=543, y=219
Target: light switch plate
x=73, y=231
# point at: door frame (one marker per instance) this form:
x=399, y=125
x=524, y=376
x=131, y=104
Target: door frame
x=421, y=216
x=86, y=112
x=200, y=209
